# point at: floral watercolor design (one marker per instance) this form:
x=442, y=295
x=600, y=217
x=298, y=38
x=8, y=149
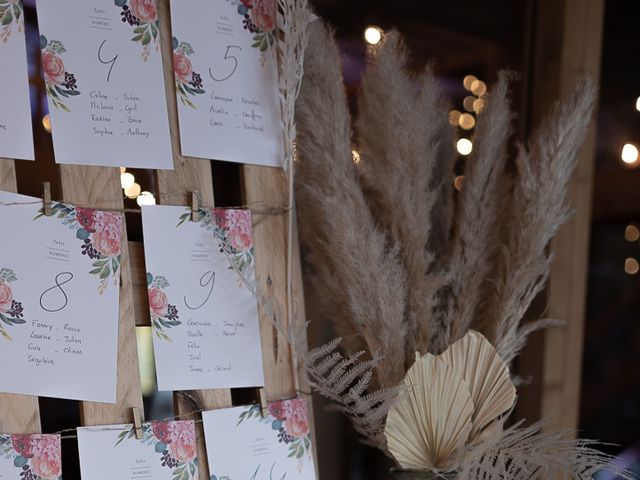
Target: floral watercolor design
x=232, y=228
x=289, y=419
x=188, y=82
x=11, y=12
x=11, y=311
x=143, y=16
x=163, y=314
x=259, y=19
x=100, y=233
x=175, y=442
x=36, y=457
x=59, y=83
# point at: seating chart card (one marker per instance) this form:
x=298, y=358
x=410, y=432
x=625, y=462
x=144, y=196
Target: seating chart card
x=203, y=314
x=166, y=451
x=224, y=59
x=241, y=443
x=30, y=457
x=16, y=138
x=59, y=299
x=103, y=75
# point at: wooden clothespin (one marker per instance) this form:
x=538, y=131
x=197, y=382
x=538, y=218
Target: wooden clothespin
x=46, y=198
x=137, y=422
x=195, y=206
x=264, y=409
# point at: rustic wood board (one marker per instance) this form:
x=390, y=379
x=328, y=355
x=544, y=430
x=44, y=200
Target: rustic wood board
x=18, y=413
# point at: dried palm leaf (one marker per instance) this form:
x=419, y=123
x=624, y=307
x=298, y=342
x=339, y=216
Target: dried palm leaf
x=492, y=391
x=431, y=424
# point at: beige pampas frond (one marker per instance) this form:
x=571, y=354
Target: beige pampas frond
x=430, y=425
x=356, y=272
x=474, y=359
x=396, y=169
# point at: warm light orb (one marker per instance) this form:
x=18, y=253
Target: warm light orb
x=468, y=81
x=46, y=122
x=122, y=170
x=631, y=233
x=373, y=35
x=629, y=154
x=466, y=121
x=467, y=103
x=464, y=146
x=478, y=87
x=454, y=117
x=631, y=266
x=638, y=104
x=126, y=180
x=356, y=156
x=478, y=105
x=457, y=182
x=133, y=191
x=146, y=198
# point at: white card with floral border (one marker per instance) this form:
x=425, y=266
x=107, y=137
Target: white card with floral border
x=242, y=444
x=225, y=69
x=30, y=457
x=59, y=299
x=16, y=138
x=203, y=312
x=103, y=75
x=165, y=451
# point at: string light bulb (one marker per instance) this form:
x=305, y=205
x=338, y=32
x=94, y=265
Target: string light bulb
x=146, y=198
x=468, y=81
x=454, y=117
x=127, y=180
x=373, y=35
x=133, y=191
x=466, y=121
x=631, y=266
x=631, y=233
x=629, y=154
x=464, y=146
x=638, y=104
x=46, y=122
x=356, y=156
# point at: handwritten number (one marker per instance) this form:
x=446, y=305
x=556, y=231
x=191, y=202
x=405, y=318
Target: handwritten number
x=209, y=278
x=227, y=56
x=106, y=62
x=57, y=286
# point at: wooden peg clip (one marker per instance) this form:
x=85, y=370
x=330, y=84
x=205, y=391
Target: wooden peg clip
x=137, y=422
x=46, y=199
x=264, y=408
x=195, y=206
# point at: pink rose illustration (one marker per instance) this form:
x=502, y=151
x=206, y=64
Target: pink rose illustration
x=108, y=231
x=182, y=67
x=53, y=68
x=296, y=423
x=220, y=216
x=87, y=218
x=158, y=302
x=145, y=10
x=263, y=14
x=277, y=411
x=162, y=431
x=6, y=297
x=247, y=3
x=183, y=441
x=46, y=461
x=23, y=445
x=239, y=224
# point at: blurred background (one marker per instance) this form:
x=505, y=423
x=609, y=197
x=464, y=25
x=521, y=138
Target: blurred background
x=585, y=375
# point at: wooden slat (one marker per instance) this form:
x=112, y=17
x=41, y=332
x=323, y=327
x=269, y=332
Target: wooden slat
x=267, y=186
x=568, y=45
x=190, y=174
x=100, y=187
x=18, y=413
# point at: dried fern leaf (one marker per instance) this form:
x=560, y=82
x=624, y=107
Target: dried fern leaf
x=432, y=422
x=492, y=391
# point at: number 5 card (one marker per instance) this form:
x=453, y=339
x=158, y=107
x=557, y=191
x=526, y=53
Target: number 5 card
x=203, y=313
x=59, y=297
x=102, y=68
x=224, y=59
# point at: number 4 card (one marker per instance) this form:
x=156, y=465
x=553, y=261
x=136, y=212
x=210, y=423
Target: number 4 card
x=204, y=316
x=224, y=59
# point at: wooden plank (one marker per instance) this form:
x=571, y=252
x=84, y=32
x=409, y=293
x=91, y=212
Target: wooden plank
x=99, y=187
x=18, y=413
x=568, y=45
x=190, y=174
x=267, y=187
